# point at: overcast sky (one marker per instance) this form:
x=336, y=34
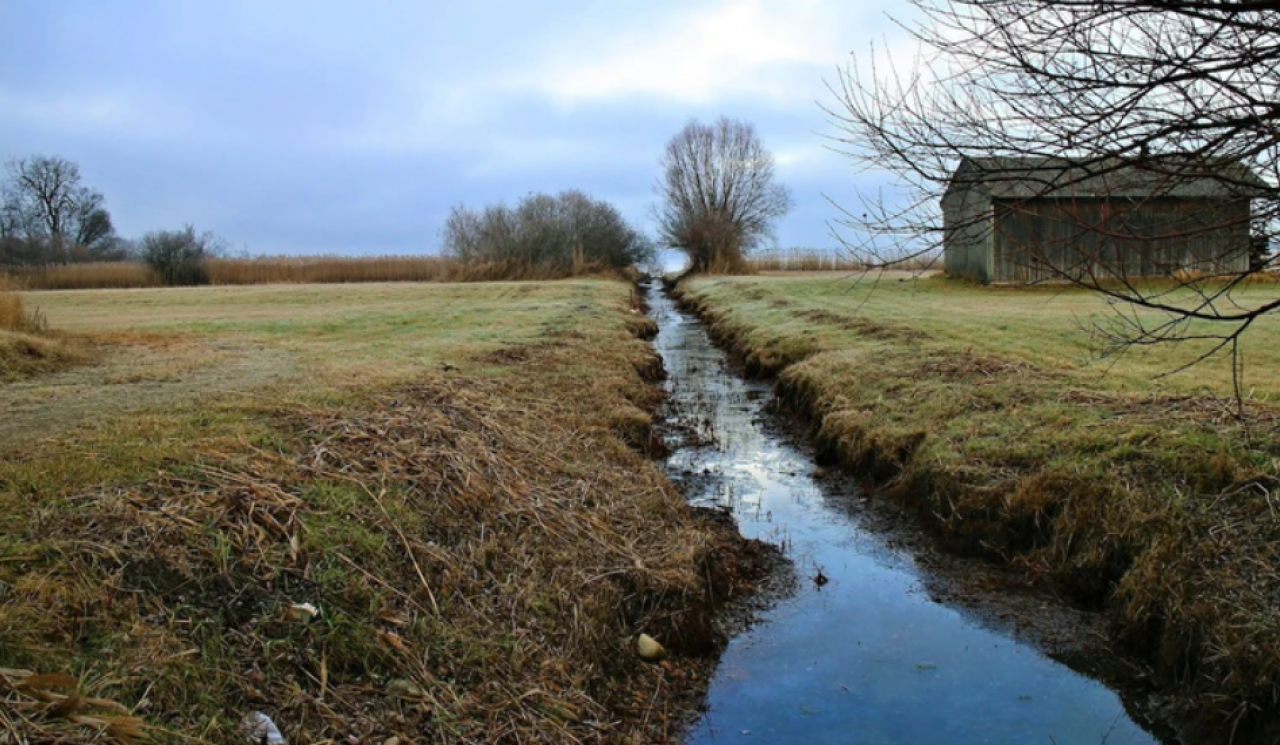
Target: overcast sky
x=353, y=127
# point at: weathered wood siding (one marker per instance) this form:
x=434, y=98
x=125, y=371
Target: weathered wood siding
x=968, y=234
x=1047, y=238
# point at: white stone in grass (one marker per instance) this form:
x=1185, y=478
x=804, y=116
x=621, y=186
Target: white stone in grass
x=649, y=649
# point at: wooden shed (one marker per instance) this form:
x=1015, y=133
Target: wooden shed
x=1029, y=220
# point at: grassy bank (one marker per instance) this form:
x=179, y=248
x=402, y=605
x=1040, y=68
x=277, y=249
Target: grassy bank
x=448, y=474
x=982, y=410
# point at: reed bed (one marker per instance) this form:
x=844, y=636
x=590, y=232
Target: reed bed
x=332, y=269
x=835, y=260
x=94, y=275
x=297, y=270
x=13, y=316
x=803, y=260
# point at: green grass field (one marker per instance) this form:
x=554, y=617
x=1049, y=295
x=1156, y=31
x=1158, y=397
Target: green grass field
x=353, y=334
x=984, y=411
x=451, y=474
x=1048, y=326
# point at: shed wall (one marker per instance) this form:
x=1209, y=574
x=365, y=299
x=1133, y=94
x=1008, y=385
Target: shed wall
x=967, y=234
x=1049, y=238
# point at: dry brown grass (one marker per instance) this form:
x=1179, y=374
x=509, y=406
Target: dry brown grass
x=26, y=348
x=482, y=544
x=57, y=696
x=326, y=269
x=11, y=314
x=298, y=270
x=803, y=260
x=834, y=260
x=96, y=275
x=27, y=355
x=14, y=315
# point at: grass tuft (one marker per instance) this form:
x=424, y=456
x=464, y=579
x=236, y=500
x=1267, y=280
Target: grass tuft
x=26, y=347
x=14, y=315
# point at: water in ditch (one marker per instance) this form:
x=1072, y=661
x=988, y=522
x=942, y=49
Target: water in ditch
x=870, y=656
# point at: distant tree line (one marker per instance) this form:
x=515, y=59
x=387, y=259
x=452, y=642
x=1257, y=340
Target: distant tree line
x=49, y=216
x=563, y=233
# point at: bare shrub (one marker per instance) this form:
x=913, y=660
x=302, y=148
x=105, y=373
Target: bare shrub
x=180, y=257
x=568, y=233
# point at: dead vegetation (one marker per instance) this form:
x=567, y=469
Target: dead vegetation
x=297, y=270
x=479, y=550
x=837, y=260
x=1162, y=509
x=802, y=260
x=26, y=347
x=29, y=694
x=14, y=315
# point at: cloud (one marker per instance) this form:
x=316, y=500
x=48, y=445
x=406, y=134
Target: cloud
x=323, y=125
x=735, y=48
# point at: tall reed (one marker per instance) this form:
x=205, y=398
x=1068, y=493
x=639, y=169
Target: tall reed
x=13, y=313
x=835, y=260
x=803, y=260
x=299, y=270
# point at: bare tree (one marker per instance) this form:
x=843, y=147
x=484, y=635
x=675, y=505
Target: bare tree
x=46, y=204
x=718, y=195
x=1184, y=92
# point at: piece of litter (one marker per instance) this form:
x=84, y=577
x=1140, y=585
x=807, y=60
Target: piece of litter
x=260, y=730
x=303, y=611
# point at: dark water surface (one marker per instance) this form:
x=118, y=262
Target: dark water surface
x=868, y=658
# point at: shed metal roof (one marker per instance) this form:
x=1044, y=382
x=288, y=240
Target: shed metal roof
x=1058, y=178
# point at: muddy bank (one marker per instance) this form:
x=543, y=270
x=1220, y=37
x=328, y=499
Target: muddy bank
x=1205, y=623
